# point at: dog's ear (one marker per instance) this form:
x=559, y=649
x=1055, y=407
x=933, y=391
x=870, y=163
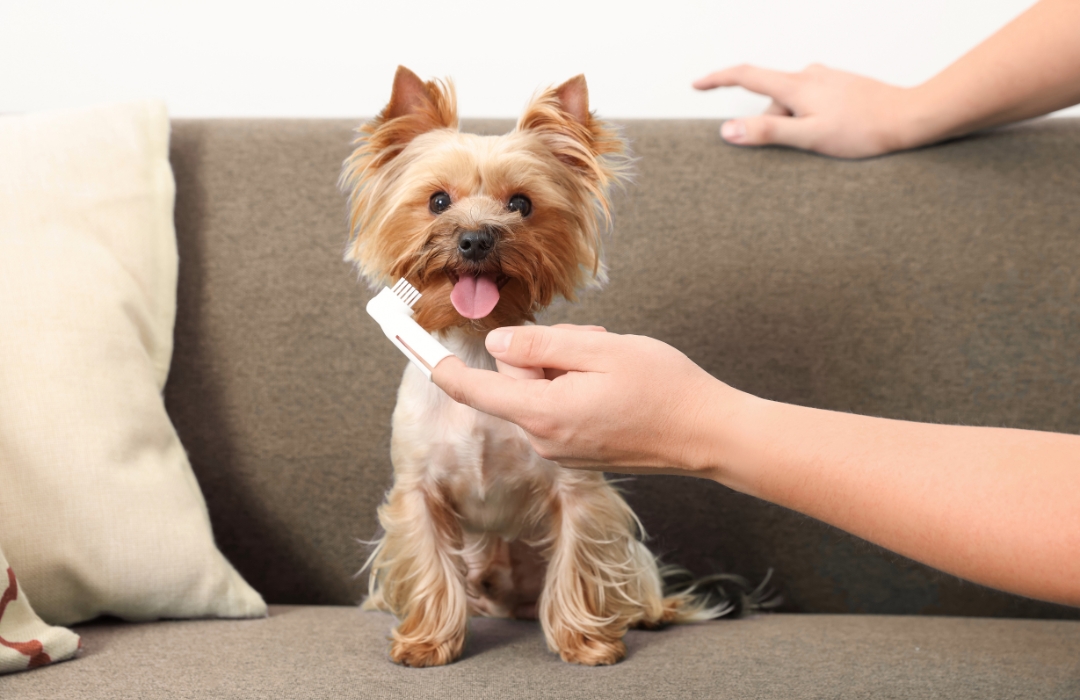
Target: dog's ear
x=573, y=96
x=561, y=117
x=433, y=103
x=415, y=107
x=567, y=103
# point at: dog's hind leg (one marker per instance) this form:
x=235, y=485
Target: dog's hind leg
x=419, y=574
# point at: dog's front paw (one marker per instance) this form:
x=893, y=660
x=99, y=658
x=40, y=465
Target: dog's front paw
x=420, y=654
x=578, y=649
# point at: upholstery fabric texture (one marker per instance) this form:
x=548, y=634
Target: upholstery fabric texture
x=25, y=641
x=99, y=510
x=935, y=285
x=333, y=652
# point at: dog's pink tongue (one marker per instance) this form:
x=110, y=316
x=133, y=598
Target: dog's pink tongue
x=475, y=297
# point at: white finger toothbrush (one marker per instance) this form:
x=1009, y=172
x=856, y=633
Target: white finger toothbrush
x=392, y=308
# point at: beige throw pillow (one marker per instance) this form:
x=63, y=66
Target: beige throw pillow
x=100, y=512
x=25, y=641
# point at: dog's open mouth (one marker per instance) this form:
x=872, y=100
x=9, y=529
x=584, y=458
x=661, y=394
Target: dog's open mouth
x=475, y=296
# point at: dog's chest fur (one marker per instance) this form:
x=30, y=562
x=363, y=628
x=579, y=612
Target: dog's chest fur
x=484, y=464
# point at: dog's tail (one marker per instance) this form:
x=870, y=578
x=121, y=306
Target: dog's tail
x=690, y=599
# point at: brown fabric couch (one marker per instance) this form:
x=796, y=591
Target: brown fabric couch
x=936, y=285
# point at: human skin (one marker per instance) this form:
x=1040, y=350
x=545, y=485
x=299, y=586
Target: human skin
x=1028, y=68
x=997, y=506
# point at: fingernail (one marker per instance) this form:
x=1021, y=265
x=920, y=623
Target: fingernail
x=733, y=130
x=498, y=340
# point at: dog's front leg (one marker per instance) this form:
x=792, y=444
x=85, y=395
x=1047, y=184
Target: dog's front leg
x=600, y=579
x=420, y=575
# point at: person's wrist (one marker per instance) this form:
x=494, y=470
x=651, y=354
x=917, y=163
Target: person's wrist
x=918, y=119
x=718, y=432
x=895, y=127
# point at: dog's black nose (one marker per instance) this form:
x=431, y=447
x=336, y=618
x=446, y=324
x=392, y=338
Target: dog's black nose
x=475, y=245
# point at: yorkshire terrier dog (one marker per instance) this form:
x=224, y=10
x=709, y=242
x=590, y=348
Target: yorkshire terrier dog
x=491, y=229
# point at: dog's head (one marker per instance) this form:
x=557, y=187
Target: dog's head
x=489, y=228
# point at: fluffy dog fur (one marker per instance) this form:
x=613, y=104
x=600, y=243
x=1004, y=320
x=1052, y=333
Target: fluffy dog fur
x=477, y=522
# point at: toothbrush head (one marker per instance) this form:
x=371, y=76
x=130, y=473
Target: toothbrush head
x=406, y=292
x=392, y=309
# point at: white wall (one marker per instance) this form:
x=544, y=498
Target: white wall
x=332, y=58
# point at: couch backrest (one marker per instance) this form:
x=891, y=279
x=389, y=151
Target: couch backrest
x=935, y=285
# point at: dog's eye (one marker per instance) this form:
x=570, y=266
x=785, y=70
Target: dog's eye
x=439, y=202
x=521, y=204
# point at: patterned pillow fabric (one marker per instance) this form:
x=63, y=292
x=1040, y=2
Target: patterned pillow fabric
x=26, y=641
x=100, y=512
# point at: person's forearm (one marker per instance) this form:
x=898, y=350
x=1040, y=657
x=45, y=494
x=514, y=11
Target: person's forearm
x=1028, y=68
x=996, y=506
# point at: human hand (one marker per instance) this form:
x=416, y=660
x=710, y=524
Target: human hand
x=820, y=109
x=606, y=401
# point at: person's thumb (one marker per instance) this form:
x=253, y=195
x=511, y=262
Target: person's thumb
x=769, y=129
x=549, y=347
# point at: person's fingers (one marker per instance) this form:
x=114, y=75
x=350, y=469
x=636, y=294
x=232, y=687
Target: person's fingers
x=491, y=392
x=777, y=109
x=519, y=372
x=554, y=373
x=550, y=347
x=773, y=83
x=574, y=326
x=539, y=372
x=766, y=129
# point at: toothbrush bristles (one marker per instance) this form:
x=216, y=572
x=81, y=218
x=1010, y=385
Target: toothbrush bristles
x=406, y=292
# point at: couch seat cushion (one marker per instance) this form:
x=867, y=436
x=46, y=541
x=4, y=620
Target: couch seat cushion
x=340, y=652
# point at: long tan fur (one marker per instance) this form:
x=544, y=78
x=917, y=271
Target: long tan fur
x=477, y=522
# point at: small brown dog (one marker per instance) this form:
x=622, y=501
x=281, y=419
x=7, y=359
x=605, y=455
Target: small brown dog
x=491, y=230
